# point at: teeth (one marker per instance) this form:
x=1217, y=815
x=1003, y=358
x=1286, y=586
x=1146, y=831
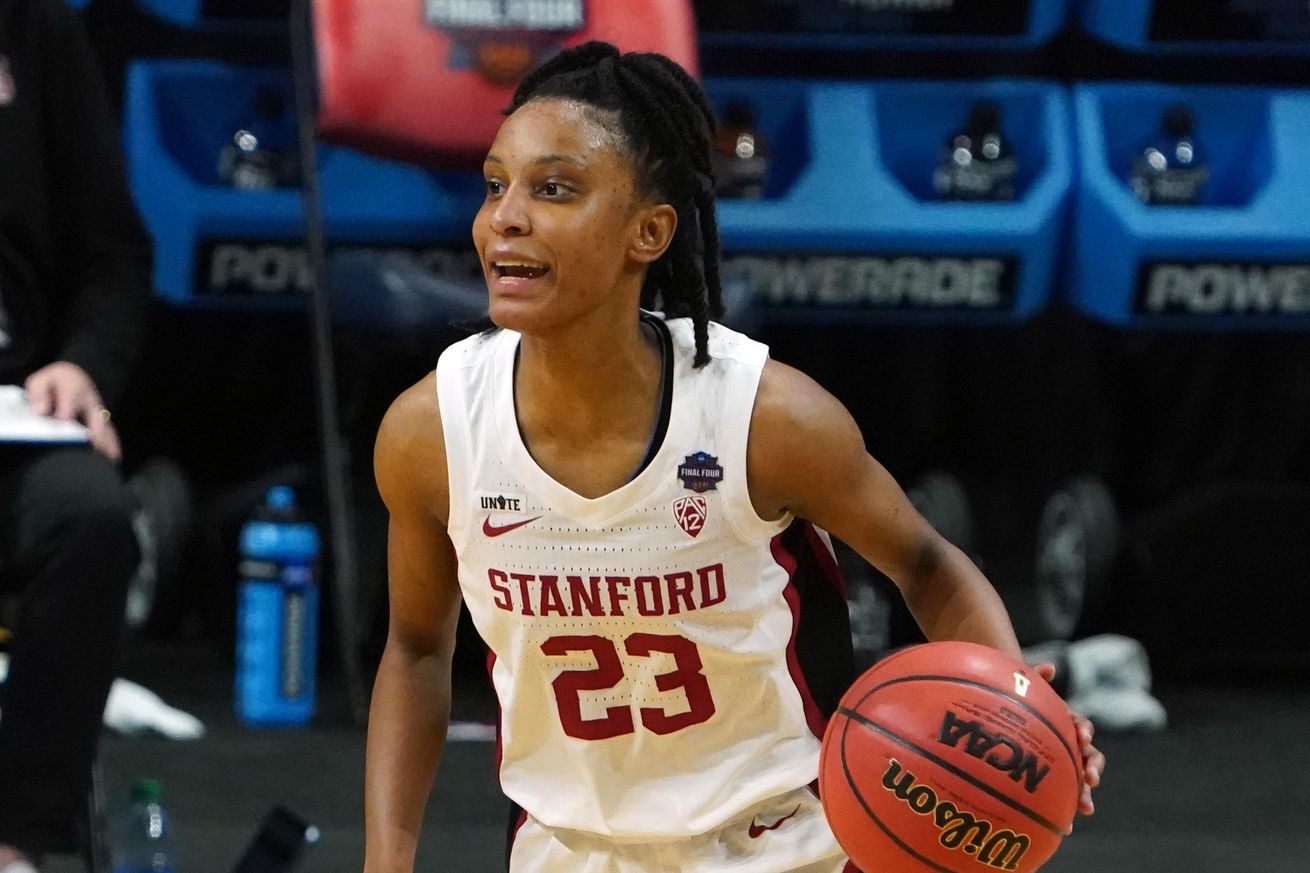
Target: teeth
x=527, y=265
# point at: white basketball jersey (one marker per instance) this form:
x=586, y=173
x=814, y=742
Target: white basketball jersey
x=647, y=645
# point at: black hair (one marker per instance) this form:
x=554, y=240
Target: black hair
x=667, y=128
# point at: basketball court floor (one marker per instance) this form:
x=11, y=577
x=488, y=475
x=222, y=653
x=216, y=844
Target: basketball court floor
x=1224, y=789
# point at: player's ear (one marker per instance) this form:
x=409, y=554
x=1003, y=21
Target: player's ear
x=655, y=226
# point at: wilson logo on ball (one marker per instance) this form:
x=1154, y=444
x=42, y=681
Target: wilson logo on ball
x=997, y=750
x=998, y=848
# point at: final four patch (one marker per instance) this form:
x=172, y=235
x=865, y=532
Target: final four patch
x=700, y=472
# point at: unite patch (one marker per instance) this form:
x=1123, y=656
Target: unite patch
x=501, y=501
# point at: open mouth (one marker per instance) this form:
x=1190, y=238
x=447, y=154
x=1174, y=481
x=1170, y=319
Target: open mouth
x=519, y=269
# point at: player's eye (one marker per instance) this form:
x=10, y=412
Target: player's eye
x=494, y=187
x=556, y=189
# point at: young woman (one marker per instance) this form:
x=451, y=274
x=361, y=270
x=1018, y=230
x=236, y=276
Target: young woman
x=632, y=507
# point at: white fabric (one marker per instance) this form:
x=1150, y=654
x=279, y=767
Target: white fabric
x=786, y=834
x=717, y=596
x=132, y=709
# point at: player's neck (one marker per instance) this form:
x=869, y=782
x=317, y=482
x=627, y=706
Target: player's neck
x=582, y=385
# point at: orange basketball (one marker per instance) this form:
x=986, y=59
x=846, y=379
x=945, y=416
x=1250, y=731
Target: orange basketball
x=950, y=757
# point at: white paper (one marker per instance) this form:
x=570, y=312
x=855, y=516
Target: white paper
x=19, y=424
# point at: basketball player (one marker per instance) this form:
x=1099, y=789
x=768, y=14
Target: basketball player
x=631, y=505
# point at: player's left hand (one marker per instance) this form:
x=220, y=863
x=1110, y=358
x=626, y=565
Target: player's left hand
x=1093, y=760
x=65, y=391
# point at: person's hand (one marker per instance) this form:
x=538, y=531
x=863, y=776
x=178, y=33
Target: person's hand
x=1093, y=760
x=66, y=392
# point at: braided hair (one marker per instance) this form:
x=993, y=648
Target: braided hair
x=666, y=125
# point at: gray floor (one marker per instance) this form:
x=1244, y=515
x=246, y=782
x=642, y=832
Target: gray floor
x=1226, y=789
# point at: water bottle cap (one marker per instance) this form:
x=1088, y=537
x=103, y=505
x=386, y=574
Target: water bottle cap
x=280, y=497
x=148, y=791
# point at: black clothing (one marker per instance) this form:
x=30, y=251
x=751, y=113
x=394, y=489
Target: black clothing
x=67, y=548
x=74, y=286
x=74, y=259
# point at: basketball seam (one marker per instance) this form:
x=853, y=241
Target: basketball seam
x=1073, y=759
x=855, y=790
x=851, y=715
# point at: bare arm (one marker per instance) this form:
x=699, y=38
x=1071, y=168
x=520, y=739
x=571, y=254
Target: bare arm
x=411, y=696
x=807, y=456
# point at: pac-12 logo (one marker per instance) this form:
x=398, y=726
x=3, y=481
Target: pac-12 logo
x=503, y=39
x=690, y=513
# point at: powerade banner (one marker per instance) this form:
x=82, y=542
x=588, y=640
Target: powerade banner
x=1230, y=20
x=901, y=282
x=981, y=17
x=904, y=282
x=1210, y=288
x=276, y=268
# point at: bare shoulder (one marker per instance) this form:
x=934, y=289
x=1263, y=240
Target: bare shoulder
x=800, y=435
x=409, y=456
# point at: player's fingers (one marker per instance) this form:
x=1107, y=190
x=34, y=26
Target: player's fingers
x=1086, y=730
x=1085, y=804
x=1046, y=670
x=1093, y=766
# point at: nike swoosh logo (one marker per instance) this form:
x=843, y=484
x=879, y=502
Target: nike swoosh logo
x=757, y=829
x=492, y=530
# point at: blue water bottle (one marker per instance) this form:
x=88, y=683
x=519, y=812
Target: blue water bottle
x=277, y=617
x=142, y=841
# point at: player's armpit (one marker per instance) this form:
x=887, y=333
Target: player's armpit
x=807, y=456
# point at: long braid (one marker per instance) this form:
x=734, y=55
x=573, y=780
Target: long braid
x=667, y=126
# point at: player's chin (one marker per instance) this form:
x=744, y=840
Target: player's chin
x=522, y=313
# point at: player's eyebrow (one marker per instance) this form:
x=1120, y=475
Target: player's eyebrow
x=544, y=159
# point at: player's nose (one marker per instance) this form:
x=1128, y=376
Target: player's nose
x=509, y=216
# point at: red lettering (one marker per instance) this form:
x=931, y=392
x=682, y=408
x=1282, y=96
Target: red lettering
x=523, y=579
x=615, y=584
x=649, y=586
x=712, y=590
x=569, y=686
x=551, y=602
x=500, y=582
x=585, y=595
x=687, y=675
x=679, y=590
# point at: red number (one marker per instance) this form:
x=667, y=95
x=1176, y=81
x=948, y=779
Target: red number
x=688, y=676
x=617, y=720
x=570, y=684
